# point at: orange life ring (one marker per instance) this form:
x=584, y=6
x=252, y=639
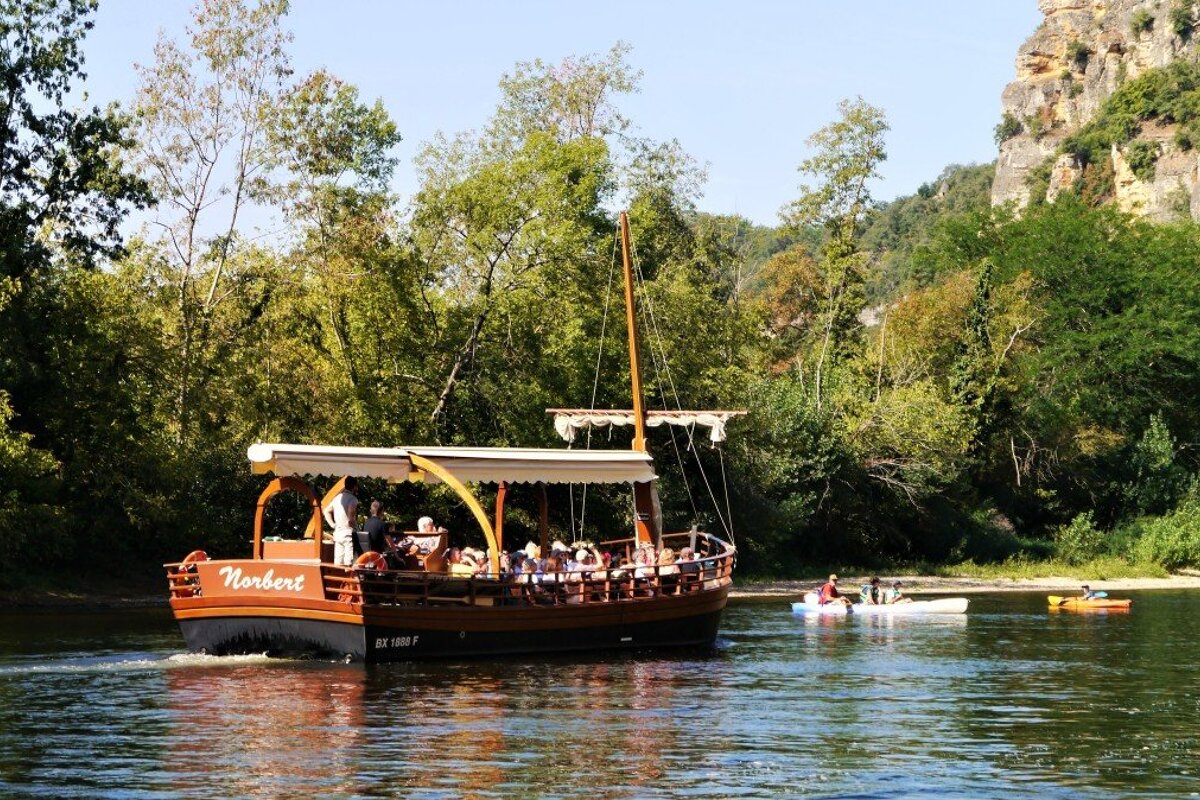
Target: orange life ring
x=371, y=560
x=189, y=587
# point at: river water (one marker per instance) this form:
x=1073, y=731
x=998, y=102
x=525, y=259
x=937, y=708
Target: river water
x=1008, y=700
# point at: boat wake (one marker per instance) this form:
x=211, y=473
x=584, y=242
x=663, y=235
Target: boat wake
x=127, y=662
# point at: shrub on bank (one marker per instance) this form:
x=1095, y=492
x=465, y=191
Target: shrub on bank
x=1172, y=540
x=1079, y=542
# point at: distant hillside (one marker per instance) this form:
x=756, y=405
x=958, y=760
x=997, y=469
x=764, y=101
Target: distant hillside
x=896, y=231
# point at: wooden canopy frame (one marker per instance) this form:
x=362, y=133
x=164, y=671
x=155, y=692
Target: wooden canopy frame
x=288, y=483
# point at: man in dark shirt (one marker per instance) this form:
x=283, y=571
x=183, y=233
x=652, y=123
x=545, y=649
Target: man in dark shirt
x=376, y=528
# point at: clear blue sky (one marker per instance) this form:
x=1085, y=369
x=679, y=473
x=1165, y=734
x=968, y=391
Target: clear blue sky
x=740, y=85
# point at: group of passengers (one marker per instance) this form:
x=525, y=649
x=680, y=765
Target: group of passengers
x=581, y=571
x=872, y=594
x=602, y=575
x=647, y=571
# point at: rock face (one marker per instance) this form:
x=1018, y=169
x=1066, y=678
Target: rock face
x=1081, y=53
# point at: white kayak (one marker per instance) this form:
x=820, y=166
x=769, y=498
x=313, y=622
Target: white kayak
x=944, y=605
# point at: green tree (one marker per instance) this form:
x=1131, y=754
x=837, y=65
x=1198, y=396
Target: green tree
x=204, y=110
x=847, y=156
x=336, y=158
x=63, y=195
x=1159, y=480
x=62, y=186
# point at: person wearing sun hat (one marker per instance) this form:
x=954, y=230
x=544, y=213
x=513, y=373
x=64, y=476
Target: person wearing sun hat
x=829, y=592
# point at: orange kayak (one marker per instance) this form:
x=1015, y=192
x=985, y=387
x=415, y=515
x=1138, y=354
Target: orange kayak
x=1075, y=602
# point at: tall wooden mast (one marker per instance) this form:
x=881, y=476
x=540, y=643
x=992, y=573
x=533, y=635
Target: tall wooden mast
x=643, y=493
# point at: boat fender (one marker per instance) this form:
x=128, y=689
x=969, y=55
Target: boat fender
x=371, y=560
x=189, y=561
x=190, y=586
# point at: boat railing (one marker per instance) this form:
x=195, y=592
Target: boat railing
x=632, y=582
x=711, y=569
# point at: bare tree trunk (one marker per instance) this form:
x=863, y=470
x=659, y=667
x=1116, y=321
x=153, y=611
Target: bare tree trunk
x=465, y=353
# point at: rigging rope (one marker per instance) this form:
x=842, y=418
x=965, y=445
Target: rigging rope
x=596, y=384
x=725, y=486
x=648, y=312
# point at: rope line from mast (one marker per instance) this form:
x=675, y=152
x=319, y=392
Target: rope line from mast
x=648, y=312
x=612, y=264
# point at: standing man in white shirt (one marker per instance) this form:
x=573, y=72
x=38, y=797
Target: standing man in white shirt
x=340, y=513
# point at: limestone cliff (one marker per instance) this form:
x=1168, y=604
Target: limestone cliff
x=1082, y=52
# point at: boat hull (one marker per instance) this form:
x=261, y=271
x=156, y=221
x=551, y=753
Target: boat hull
x=402, y=633
x=945, y=605
x=1078, y=604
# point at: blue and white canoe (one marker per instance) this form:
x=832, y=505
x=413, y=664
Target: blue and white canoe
x=944, y=605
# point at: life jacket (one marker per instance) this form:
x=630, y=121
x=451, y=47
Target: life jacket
x=826, y=593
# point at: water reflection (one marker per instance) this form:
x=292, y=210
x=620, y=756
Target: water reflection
x=294, y=727
x=1006, y=698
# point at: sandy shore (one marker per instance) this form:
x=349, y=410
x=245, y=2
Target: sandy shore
x=925, y=584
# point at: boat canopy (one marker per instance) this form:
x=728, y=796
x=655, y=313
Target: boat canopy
x=569, y=421
x=467, y=464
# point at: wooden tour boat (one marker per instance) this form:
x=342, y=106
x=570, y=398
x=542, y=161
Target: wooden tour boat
x=289, y=599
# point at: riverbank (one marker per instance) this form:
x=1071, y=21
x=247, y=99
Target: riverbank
x=929, y=584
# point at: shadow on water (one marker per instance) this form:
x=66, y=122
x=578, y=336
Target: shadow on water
x=1008, y=698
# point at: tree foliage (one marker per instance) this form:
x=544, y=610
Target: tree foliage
x=927, y=378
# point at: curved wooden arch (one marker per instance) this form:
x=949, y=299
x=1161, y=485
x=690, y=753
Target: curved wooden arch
x=282, y=485
x=465, y=495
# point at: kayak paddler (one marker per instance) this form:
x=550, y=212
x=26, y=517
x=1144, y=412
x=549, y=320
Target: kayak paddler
x=829, y=592
x=1088, y=594
x=896, y=595
x=871, y=594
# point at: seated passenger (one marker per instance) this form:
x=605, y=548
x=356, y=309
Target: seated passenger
x=689, y=568
x=871, y=594
x=529, y=572
x=553, y=571
x=474, y=559
x=829, y=593
x=1088, y=594
x=895, y=595
x=666, y=562
x=645, y=559
x=456, y=567
x=554, y=578
x=668, y=571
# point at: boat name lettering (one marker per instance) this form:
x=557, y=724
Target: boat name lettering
x=385, y=642
x=267, y=581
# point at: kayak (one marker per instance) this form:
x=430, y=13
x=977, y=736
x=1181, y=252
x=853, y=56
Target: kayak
x=945, y=605
x=1079, y=603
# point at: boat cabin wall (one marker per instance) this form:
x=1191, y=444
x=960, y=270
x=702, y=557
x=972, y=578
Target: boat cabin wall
x=295, y=549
